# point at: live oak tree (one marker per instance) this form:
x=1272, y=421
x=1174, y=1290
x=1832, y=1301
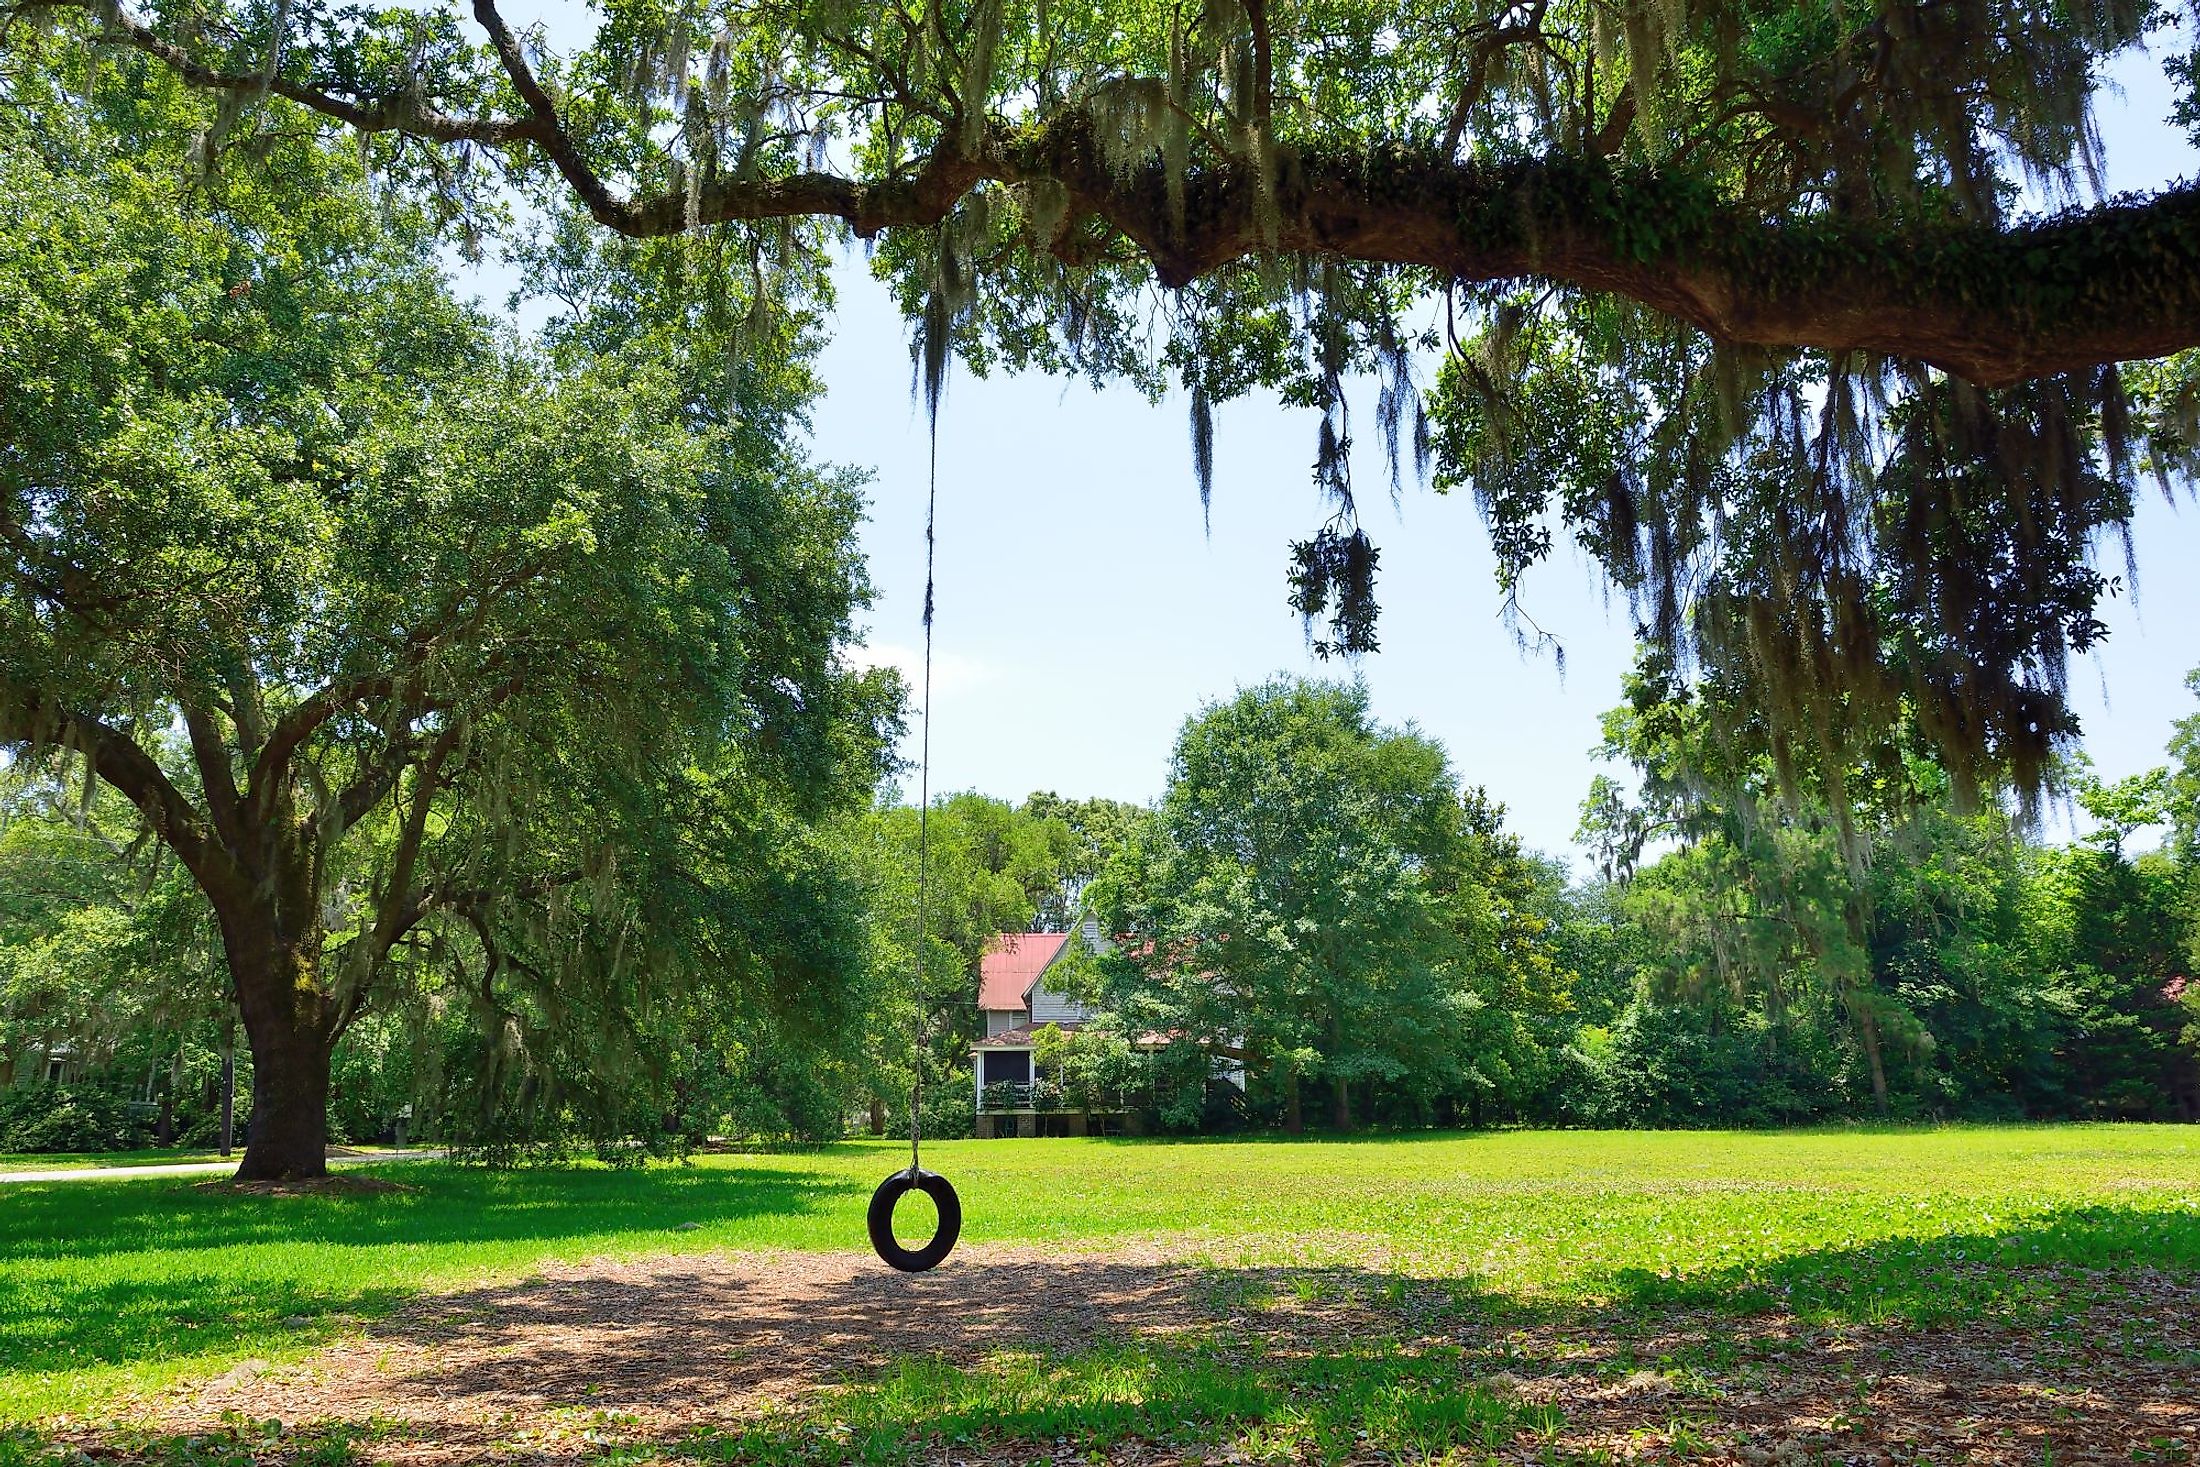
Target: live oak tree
x=1745, y=298
x=1317, y=897
x=477, y=653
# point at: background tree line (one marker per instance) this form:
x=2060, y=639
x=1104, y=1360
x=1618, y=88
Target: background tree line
x=1320, y=903
x=437, y=715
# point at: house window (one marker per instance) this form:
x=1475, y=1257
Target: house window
x=1008, y=1066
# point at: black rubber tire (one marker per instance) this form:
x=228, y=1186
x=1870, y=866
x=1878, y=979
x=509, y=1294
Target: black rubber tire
x=890, y=1192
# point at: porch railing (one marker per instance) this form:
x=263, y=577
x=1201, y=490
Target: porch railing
x=1045, y=1095
x=1020, y=1095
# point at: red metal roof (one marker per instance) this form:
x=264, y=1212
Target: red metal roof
x=1006, y=973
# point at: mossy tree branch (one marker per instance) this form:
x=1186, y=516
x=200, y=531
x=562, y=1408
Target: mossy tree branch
x=1993, y=304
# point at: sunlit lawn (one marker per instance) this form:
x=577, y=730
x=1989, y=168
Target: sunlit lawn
x=54, y=1161
x=73, y=1161
x=109, y=1288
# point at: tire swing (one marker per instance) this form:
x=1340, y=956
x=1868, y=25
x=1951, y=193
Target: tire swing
x=915, y=1178
x=889, y=1194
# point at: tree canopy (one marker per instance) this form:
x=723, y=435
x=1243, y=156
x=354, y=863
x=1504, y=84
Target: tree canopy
x=1767, y=174
x=424, y=649
x=1809, y=322
x=1318, y=897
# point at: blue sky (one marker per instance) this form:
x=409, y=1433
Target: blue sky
x=1084, y=611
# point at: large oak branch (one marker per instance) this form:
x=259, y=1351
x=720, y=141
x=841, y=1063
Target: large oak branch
x=1995, y=305
x=30, y=719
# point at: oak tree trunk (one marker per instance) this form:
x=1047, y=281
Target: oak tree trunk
x=288, y=1027
x=1867, y=1032
x=1340, y=1110
x=288, y=1140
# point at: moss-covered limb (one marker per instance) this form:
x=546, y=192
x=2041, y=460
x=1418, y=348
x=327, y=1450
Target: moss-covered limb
x=1992, y=304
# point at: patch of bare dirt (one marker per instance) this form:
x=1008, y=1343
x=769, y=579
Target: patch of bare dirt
x=668, y=1344
x=1783, y=1391
x=644, y=1354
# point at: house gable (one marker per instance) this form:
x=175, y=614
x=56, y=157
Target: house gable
x=1012, y=991
x=1007, y=972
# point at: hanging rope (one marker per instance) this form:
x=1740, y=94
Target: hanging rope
x=916, y=1179
x=924, y=799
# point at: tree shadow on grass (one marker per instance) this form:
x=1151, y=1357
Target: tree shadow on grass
x=51, y=1328
x=129, y=1274
x=439, y=1204
x=832, y=1358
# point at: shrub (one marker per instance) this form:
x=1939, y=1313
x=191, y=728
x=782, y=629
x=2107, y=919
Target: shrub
x=950, y=1110
x=1666, y=1065
x=65, y=1118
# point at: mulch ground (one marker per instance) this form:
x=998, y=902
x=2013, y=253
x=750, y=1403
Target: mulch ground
x=633, y=1354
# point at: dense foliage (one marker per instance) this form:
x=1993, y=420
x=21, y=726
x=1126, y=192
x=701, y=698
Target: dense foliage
x=1317, y=898
x=1317, y=902
x=1740, y=298
x=496, y=682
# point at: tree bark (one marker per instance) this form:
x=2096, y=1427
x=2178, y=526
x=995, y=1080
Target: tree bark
x=291, y=1032
x=1294, y=1118
x=289, y=1126
x=1340, y=1110
x=1867, y=1033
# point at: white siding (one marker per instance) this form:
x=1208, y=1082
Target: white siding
x=1000, y=1021
x=1049, y=1007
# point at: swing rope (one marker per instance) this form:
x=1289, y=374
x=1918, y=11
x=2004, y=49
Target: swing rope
x=880, y=1221
x=924, y=804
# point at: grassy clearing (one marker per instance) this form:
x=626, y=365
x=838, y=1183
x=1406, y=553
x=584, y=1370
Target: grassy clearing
x=108, y=1289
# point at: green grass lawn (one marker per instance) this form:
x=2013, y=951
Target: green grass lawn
x=108, y=1289
x=76, y=1161
x=54, y=1161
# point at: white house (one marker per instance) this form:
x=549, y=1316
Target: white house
x=1018, y=1001
x=1014, y=996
